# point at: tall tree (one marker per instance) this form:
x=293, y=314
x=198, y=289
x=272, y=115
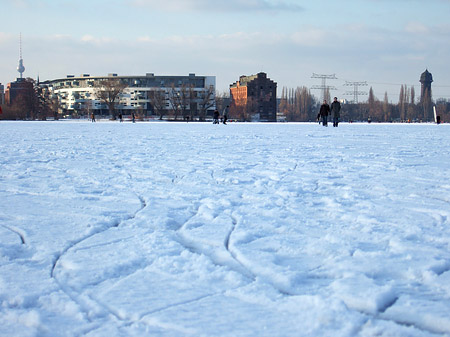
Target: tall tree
x=401, y=102
x=222, y=100
x=371, y=104
x=386, y=108
x=175, y=101
x=413, y=95
x=158, y=100
x=207, y=101
x=108, y=92
x=187, y=96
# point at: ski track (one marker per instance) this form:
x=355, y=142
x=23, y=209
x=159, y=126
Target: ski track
x=16, y=231
x=86, y=302
x=97, y=312
x=89, y=304
x=239, y=266
x=202, y=249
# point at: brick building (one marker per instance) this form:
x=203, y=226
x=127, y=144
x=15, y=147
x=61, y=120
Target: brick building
x=19, y=89
x=254, y=98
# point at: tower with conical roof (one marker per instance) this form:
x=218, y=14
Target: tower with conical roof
x=20, y=67
x=426, y=78
x=425, y=99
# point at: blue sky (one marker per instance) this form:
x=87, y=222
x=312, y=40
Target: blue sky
x=386, y=43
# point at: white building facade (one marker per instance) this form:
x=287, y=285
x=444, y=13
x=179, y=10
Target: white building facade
x=147, y=95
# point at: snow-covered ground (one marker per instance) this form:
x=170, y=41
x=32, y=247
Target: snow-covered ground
x=176, y=229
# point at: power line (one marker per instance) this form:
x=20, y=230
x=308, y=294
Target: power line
x=324, y=87
x=399, y=84
x=355, y=92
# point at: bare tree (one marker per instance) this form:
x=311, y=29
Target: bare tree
x=402, y=102
x=158, y=101
x=86, y=108
x=222, y=100
x=175, y=101
x=206, y=102
x=413, y=95
x=297, y=104
x=187, y=95
x=386, y=108
x=283, y=107
x=108, y=92
x=55, y=106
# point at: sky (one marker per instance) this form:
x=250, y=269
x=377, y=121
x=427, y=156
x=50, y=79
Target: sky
x=385, y=43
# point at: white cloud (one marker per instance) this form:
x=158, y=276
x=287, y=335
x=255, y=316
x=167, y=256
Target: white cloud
x=416, y=28
x=96, y=40
x=220, y=5
x=87, y=38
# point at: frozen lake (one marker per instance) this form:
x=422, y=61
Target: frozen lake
x=176, y=229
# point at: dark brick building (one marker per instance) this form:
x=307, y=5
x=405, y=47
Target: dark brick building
x=20, y=89
x=254, y=98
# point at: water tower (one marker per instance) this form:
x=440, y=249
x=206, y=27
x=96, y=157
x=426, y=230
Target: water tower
x=425, y=99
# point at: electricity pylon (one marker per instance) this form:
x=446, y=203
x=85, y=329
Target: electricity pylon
x=324, y=87
x=355, y=91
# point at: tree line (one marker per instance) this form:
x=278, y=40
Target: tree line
x=299, y=105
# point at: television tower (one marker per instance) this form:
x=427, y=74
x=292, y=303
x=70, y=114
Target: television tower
x=20, y=67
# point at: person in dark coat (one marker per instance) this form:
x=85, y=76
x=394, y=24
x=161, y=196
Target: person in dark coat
x=225, y=114
x=335, y=111
x=324, y=112
x=216, y=117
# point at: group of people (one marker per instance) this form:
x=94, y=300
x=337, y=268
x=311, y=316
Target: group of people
x=216, y=116
x=326, y=110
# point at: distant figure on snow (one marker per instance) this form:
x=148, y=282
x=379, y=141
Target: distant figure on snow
x=133, y=117
x=216, y=117
x=225, y=114
x=92, y=117
x=324, y=111
x=120, y=118
x=335, y=112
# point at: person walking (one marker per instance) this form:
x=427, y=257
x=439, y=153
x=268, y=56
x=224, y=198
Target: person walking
x=216, y=117
x=225, y=114
x=120, y=117
x=133, y=117
x=324, y=112
x=92, y=117
x=335, y=112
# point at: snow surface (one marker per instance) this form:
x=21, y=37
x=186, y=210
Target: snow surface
x=176, y=229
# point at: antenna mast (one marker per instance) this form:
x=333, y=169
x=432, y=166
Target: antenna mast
x=20, y=67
